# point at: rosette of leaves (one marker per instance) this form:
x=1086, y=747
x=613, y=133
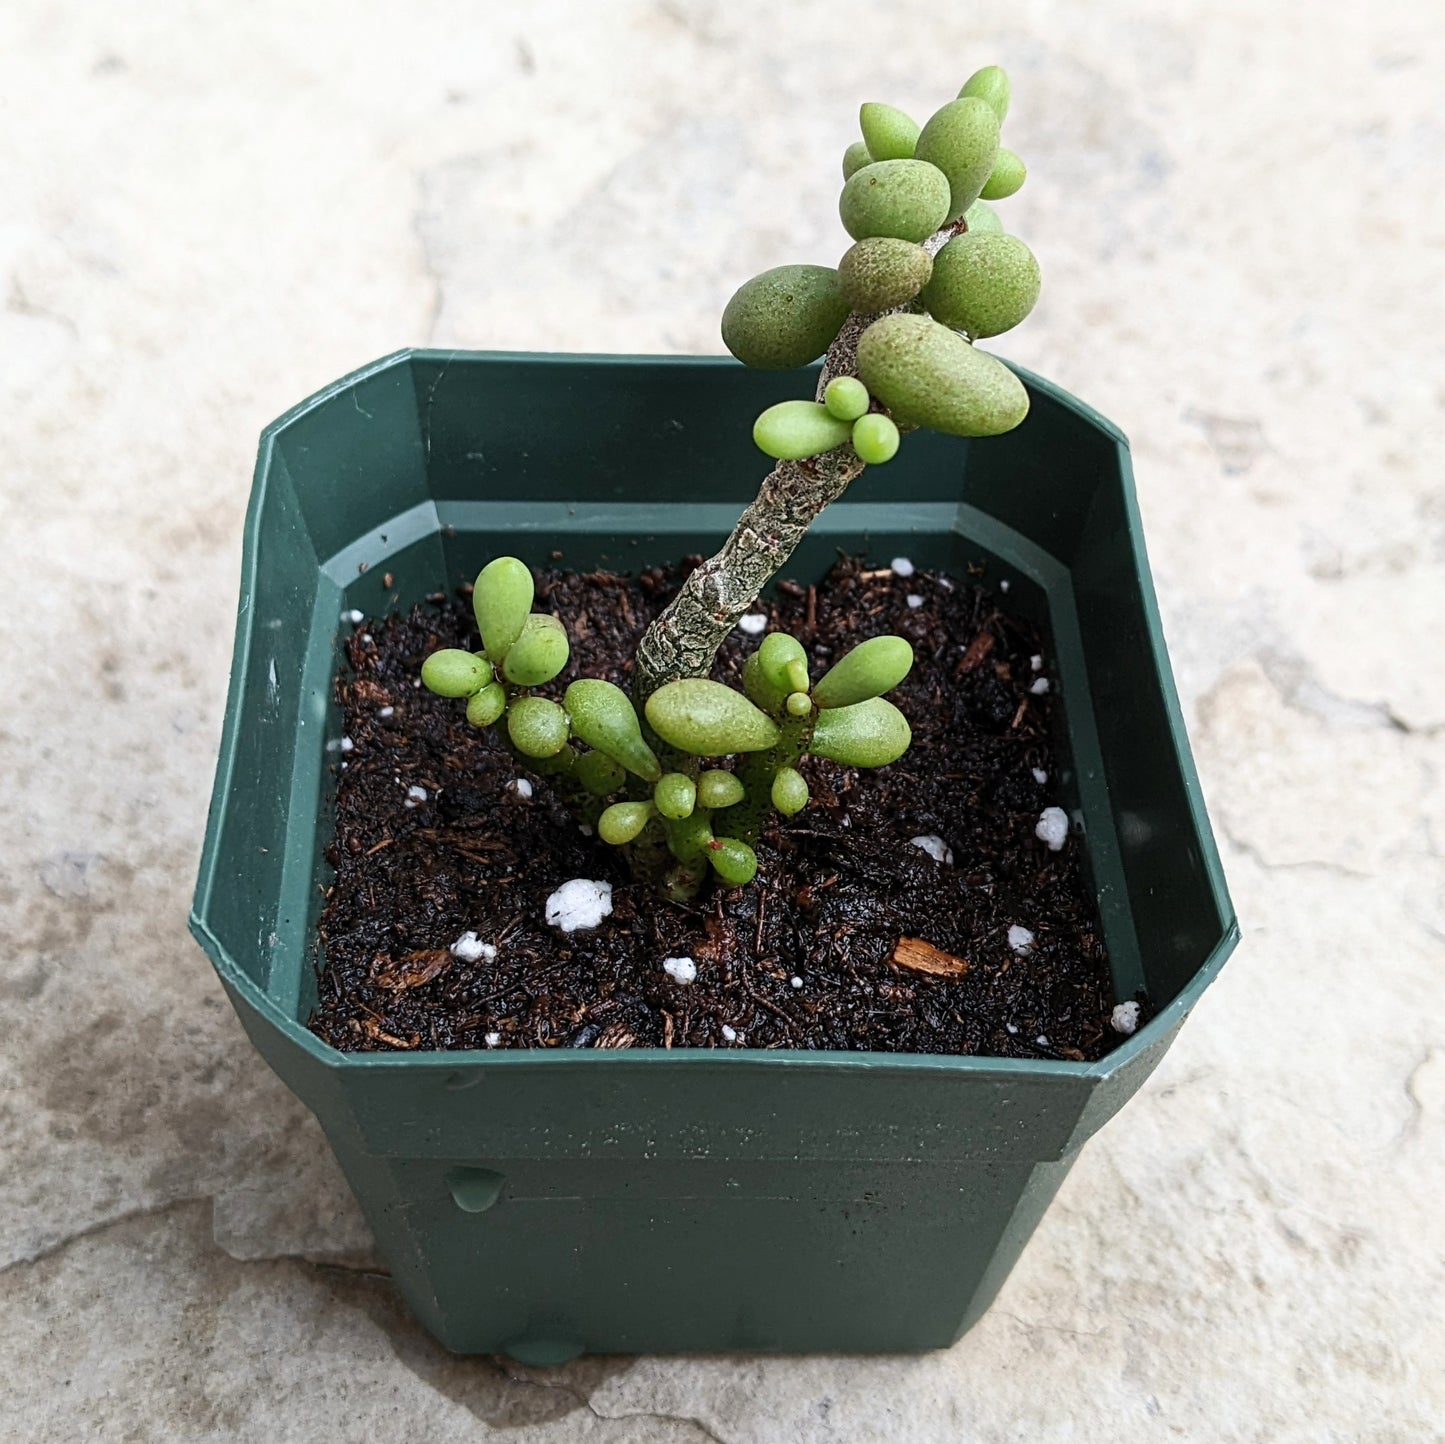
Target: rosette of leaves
x=685, y=812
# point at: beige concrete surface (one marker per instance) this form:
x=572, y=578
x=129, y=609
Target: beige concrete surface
x=208, y=210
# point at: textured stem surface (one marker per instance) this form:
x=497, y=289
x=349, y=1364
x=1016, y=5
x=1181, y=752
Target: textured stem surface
x=683, y=641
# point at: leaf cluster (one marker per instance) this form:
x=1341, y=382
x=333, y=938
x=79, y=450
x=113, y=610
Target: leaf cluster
x=689, y=784
x=916, y=361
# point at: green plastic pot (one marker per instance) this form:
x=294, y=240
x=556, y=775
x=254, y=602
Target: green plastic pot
x=547, y=1203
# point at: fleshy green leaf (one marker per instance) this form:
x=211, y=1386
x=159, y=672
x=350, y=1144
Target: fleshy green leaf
x=790, y=791
x=922, y=370
x=888, y=132
x=757, y=686
x=869, y=670
x=961, y=139
x=846, y=397
x=488, y=704
x=855, y=158
x=502, y=601
x=785, y=317
x=675, y=795
x=875, y=438
x=880, y=273
x=867, y=734
x=792, y=430
x=784, y=662
x=983, y=220
x=539, y=653
x=1009, y=173
x=452, y=672
x=983, y=284
x=706, y=719
x=603, y=717
x=600, y=774
x=537, y=727
x=717, y=789
x=903, y=198
x=733, y=861
x=990, y=84
x=622, y=822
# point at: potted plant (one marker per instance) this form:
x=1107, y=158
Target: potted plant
x=547, y=1200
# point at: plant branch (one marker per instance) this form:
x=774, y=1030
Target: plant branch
x=683, y=641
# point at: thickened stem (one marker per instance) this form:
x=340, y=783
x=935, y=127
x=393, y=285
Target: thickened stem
x=683, y=641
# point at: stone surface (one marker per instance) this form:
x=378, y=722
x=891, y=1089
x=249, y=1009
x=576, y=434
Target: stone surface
x=211, y=211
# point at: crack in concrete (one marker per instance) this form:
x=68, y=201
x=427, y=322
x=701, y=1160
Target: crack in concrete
x=322, y=1268
x=21, y=305
x=1032, y=1328
x=173, y=1205
x=1335, y=869
x=1434, y=729
x=1297, y=683
x=102, y=1226
x=1411, y=1126
x=323, y=1265
x=584, y=1401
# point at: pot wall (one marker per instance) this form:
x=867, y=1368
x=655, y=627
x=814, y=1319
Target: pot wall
x=550, y=1202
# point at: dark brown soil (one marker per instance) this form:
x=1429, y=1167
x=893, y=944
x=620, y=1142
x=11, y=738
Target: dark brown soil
x=823, y=951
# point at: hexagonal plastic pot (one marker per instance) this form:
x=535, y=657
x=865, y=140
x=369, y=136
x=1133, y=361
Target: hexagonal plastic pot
x=548, y=1202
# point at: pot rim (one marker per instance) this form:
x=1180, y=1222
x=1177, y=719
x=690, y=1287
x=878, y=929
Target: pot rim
x=1155, y=1032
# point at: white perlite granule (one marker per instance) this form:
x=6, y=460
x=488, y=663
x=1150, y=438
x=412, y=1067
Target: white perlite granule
x=914, y=600
x=470, y=949
x=385, y=712
x=580, y=903
x=730, y=1034
x=1037, y=662
x=1004, y=585
x=415, y=796
x=1042, y=1041
x=522, y=788
x=796, y=982
x=902, y=567
x=1040, y=776
x=354, y=617
x=1020, y=939
x=681, y=970
x=493, y=1039
x=1125, y=1018
x=934, y=846
x=1040, y=686
x=1052, y=827
x=753, y=623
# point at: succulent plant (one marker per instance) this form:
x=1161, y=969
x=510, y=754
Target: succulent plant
x=685, y=773
x=601, y=764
